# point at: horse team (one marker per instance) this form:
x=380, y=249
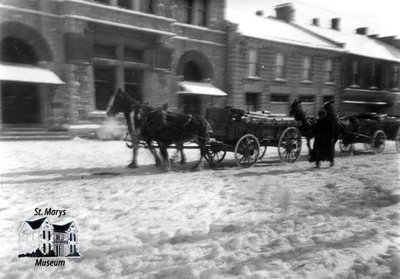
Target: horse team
x=149, y=124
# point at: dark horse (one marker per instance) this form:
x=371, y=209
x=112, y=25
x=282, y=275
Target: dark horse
x=343, y=127
x=156, y=124
x=306, y=125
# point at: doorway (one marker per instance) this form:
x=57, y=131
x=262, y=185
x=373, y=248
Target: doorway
x=20, y=103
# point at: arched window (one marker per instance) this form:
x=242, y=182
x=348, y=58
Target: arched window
x=192, y=72
x=14, y=50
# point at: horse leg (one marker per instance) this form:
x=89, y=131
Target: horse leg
x=309, y=145
x=183, y=157
x=134, y=164
x=200, y=163
x=155, y=154
x=164, y=154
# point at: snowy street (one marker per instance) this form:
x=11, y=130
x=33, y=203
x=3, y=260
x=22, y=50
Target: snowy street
x=273, y=220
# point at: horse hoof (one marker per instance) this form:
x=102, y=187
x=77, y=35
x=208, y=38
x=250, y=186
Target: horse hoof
x=132, y=166
x=182, y=162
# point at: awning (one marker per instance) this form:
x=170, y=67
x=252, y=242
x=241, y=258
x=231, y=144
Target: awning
x=24, y=73
x=364, y=102
x=199, y=88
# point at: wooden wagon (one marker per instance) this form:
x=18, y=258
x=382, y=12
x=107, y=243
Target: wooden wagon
x=373, y=130
x=249, y=135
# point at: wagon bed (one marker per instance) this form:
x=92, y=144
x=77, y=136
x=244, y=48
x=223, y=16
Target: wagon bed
x=373, y=130
x=248, y=135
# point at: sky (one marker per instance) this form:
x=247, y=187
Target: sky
x=381, y=17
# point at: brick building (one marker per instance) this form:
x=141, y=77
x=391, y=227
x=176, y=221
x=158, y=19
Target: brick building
x=370, y=79
x=272, y=62
x=82, y=51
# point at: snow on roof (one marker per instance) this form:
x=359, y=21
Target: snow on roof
x=62, y=228
x=251, y=25
x=357, y=44
x=36, y=223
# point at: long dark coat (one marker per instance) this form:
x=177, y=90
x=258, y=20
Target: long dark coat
x=323, y=149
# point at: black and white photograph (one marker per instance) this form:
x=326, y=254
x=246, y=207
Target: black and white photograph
x=200, y=139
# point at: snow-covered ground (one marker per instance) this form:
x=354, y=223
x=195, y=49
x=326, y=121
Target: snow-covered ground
x=273, y=220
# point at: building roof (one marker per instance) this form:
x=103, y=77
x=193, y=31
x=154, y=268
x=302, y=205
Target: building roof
x=62, y=228
x=357, y=44
x=36, y=223
x=266, y=28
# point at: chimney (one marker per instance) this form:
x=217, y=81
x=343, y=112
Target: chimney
x=260, y=13
x=285, y=12
x=362, y=31
x=335, y=23
x=315, y=21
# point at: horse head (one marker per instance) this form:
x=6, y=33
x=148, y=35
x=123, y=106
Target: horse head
x=296, y=110
x=120, y=101
x=330, y=110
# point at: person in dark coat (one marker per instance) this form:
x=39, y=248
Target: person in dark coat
x=323, y=149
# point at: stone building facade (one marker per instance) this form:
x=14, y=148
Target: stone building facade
x=97, y=46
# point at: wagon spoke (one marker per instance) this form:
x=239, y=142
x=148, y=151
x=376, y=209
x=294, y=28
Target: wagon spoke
x=289, y=145
x=247, y=151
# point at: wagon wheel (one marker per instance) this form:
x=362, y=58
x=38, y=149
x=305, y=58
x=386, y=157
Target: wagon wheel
x=397, y=139
x=263, y=150
x=289, y=145
x=346, y=148
x=247, y=151
x=214, y=153
x=378, y=141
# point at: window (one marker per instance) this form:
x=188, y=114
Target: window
x=44, y=235
x=44, y=248
x=329, y=70
x=355, y=76
x=133, y=83
x=394, y=80
x=373, y=76
x=104, y=86
x=253, y=63
x=202, y=13
x=106, y=2
x=70, y=249
x=162, y=58
x=125, y=4
x=70, y=236
x=104, y=51
x=133, y=54
x=307, y=98
x=280, y=70
x=252, y=101
x=150, y=7
x=279, y=98
x=187, y=11
x=48, y=235
x=307, y=68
